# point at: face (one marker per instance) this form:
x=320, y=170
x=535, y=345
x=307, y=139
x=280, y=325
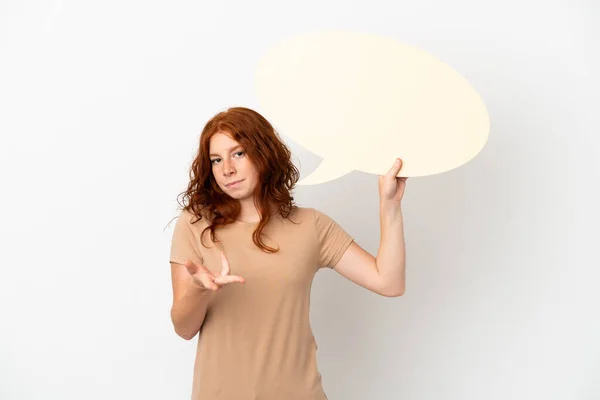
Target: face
x=234, y=172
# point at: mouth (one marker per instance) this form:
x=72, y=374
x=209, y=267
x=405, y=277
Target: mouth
x=234, y=183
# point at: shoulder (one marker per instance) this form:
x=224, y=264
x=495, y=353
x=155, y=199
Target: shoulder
x=315, y=217
x=320, y=217
x=303, y=214
x=192, y=220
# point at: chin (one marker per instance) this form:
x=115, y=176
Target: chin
x=236, y=195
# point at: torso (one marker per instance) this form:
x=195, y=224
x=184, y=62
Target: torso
x=256, y=341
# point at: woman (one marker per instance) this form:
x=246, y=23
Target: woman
x=243, y=257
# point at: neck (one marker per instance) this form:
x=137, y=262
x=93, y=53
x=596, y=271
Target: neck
x=249, y=212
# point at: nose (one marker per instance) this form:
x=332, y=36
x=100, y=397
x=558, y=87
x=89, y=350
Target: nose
x=228, y=168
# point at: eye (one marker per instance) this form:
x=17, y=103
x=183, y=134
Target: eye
x=214, y=160
x=239, y=153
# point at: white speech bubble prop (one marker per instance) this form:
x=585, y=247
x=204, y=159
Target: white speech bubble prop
x=361, y=100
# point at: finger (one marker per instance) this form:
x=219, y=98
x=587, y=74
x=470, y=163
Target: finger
x=223, y=280
x=191, y=267
x=225, y=268
x=207, y=281
x=194, y=268
x=393, y=172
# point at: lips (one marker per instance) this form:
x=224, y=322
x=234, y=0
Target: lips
x=233, y=183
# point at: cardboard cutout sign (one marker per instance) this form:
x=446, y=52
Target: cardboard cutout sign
x=361, y=100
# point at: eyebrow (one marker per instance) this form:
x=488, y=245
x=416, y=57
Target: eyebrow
x=229, y=150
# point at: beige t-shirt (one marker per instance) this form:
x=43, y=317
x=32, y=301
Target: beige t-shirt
x=256, y=341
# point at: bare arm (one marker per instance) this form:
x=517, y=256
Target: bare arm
x=386, y=273
x=391, y=256
x=194, y=287
x=190, y=302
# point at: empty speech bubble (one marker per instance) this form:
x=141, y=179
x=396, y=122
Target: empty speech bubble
x=361, y=100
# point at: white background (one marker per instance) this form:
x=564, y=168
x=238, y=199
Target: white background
x=102, y=104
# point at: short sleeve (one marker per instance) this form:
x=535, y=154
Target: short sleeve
x=184, y=243
x=332, y=239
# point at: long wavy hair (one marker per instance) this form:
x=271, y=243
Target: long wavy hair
x=265, y=149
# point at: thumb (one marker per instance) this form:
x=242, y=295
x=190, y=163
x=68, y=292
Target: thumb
x=393, y=172
x=225, y=267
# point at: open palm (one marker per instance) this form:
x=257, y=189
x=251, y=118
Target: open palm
x=207, y=279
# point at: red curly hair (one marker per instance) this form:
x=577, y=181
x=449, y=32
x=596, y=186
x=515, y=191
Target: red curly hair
x=266, y=150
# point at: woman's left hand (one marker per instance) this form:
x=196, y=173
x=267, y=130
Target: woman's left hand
x=391, y=188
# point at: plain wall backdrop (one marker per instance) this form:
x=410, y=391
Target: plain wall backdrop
x=101, y=107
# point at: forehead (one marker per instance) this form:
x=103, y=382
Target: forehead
x=221, y=141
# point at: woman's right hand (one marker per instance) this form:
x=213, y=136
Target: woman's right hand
x=207, y=279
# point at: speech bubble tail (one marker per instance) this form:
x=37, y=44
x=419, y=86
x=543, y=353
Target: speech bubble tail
x=326, y=171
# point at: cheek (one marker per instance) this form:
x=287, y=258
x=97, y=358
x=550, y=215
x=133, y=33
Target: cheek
x=248, y=168
x=216, y=176
x=255, y=174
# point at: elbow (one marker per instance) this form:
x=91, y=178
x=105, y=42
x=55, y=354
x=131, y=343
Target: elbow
x=185, y=335
x=393, y=292
x=181, y=331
